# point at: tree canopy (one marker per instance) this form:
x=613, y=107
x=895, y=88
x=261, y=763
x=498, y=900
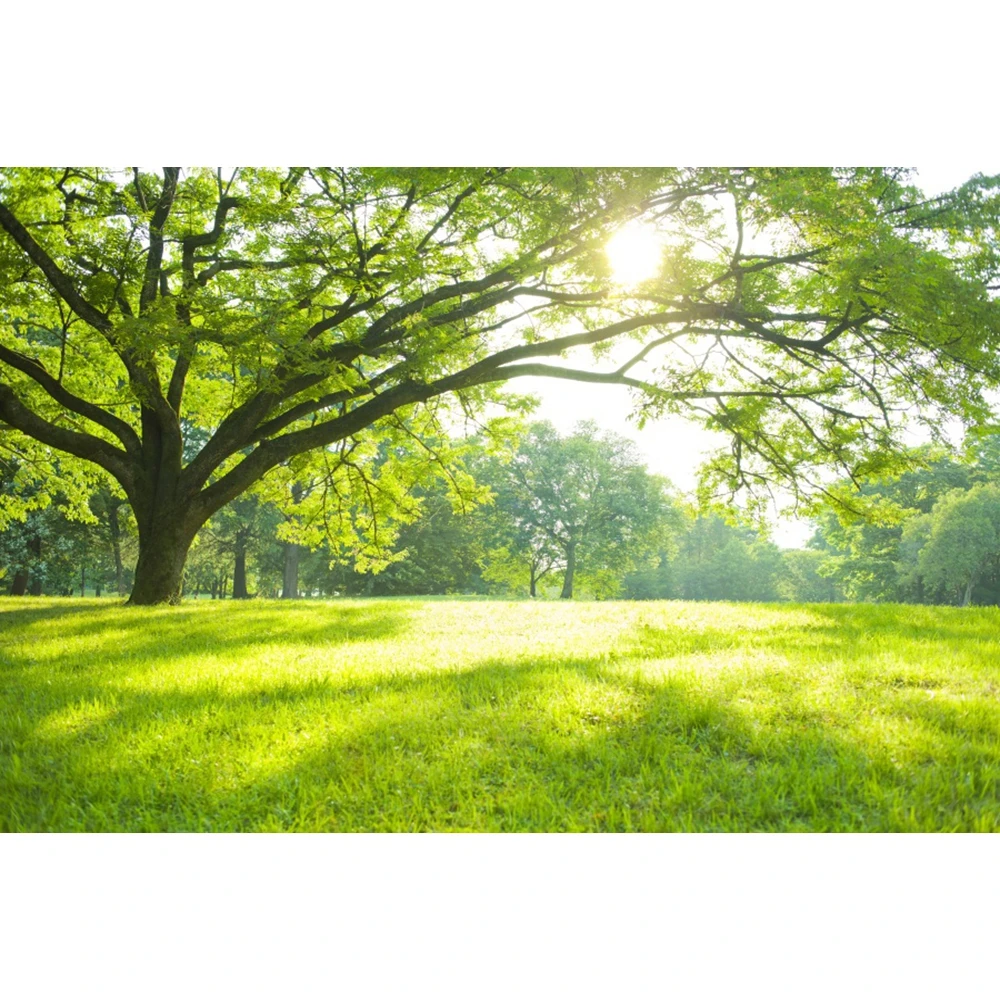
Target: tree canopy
x=187, y=333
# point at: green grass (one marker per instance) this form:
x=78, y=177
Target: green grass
x=491, y=715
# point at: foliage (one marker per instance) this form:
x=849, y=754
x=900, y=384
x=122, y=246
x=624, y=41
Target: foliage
x=292, y=322
x=243, y=532
x=57, y=542
x=874, y=558
x=803, y=580
x=440, y=553
x=960, y=539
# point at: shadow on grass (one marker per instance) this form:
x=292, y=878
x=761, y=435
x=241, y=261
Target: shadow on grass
x=840, y=626
x=507, y=747
x=158, y=634
x=513, y=743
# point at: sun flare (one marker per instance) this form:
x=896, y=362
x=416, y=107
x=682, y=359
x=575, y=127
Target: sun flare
x=634, y=253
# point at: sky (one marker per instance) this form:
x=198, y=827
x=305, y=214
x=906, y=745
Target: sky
x=675, y=447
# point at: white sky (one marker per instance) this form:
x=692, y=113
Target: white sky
x=674, y=447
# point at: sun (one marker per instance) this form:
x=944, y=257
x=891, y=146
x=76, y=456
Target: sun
x=635, y=253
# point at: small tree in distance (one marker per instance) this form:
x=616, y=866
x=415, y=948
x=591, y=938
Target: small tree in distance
x=580, y=505
x=961, y=538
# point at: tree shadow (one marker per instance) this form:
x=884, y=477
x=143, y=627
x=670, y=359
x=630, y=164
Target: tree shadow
x=152, y=635
x=667, y=758
x=826, y=626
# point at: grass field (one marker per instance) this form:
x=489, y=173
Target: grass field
x=488, y=715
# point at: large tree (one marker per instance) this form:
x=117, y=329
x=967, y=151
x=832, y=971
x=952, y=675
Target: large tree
x=295, y=316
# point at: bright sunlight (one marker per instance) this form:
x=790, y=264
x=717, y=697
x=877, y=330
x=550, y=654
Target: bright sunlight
x=634, y=253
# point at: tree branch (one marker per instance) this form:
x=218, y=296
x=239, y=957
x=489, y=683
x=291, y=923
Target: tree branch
x=188, y=246
x=154, y=258
x=36, y=371
x=147, y=381
x=85, y=446
x=58, y=279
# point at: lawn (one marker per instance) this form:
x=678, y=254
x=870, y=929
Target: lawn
x=412, y=715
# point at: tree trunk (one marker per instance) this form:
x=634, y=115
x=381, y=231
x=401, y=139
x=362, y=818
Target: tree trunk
x=35, y=548
x=160, y=567
x=240, y=576
x=116, y=548
x=83, y=581
x=967, y=596
x=290, y=579
x=567, y=590
x=531, y=587
x=19, y=584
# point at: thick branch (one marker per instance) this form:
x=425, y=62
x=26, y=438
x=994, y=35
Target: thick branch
x=56, y=278
x=452, y=208
x=34, y=370
x=154, y=258
x=189, y=244
x=145, y=380
x=818, y=346
x=85, y=446
x=614, y=378
x=548, y=348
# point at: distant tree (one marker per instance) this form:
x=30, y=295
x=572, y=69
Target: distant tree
x=49, y=554
x=291, y=552
x=113, y=516
x=584, y=504
x=911, y=583
x=518, y=554
x=801, y=579
x=718, y=561
x=439, y=553
x=244, y=528
x=52, y=539
x=655, y=583
x=443, y=551
x=962, y=539
x=712, y=560
x=870, y=557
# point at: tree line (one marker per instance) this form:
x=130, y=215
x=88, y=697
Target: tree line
x=557, y=516
x=928, y=536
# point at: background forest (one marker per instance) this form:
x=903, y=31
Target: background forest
x=577, y=515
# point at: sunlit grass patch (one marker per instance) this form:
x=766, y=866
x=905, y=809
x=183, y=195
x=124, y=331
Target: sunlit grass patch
x=492, y=715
